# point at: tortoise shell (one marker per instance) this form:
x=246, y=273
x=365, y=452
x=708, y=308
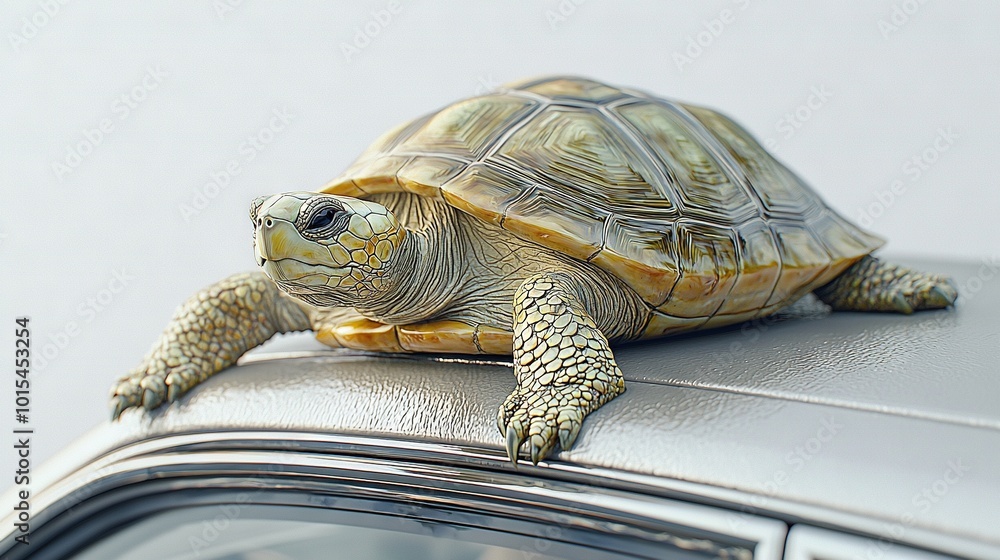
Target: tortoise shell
x=678, y=201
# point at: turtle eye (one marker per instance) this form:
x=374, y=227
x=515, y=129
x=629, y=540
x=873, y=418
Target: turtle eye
x=321, y=219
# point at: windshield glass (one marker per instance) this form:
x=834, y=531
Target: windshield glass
x=259, y=532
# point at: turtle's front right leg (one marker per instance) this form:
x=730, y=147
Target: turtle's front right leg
x=564, y=367
x=206, y=335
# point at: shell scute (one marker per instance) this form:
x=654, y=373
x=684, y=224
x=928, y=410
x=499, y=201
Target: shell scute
x=779, y=190
x=467, y=128
x=423, y=176
x=760, y=268
x=583, y=156
x=643, y=254
x=803, y=259
x=704, y=186
x=557, y=222
x=484, y=191
x=708, y=263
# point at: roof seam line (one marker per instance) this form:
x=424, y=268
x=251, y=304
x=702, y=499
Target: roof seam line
x=835, y=403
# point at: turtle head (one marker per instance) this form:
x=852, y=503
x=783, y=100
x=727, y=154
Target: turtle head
x=324, y=249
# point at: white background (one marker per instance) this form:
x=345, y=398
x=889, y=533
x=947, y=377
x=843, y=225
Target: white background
x=207, y=78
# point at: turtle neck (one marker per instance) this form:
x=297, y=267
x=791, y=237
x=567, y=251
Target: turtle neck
x=424, y=279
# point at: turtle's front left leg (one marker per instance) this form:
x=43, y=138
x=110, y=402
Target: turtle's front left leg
x=564, y=368
x=208, y=334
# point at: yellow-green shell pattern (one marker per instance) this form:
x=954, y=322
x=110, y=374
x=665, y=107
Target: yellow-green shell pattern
x=678, y=201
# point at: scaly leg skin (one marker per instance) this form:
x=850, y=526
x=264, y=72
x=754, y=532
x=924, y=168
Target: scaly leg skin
x=564, y=369
x=206, y=335
x=872, y=285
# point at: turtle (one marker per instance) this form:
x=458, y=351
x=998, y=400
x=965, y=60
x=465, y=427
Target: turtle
x=547, y=221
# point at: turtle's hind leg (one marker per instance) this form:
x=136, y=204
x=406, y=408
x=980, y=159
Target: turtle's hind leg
x=872, y=285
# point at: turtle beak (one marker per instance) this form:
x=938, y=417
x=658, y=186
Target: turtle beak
x=258, y=244
x=268, y=238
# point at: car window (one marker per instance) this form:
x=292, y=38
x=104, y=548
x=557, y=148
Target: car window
x=257, y=532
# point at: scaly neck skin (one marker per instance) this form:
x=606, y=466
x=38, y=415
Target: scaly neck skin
x=423, y=280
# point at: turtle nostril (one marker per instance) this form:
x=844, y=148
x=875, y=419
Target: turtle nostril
x=259, y=221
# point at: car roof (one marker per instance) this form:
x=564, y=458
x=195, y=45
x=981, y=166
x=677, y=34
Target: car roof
x=833, y=418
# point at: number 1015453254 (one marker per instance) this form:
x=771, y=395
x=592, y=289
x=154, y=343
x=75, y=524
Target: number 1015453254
x=22, y=365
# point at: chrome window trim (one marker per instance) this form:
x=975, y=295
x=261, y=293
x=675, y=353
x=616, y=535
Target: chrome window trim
x=217, y=455
x=738, y=505
x=765, y=524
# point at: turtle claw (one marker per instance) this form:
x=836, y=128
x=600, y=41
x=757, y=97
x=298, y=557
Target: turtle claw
x=150, y=386
x=125, y=394
x=544, y=417
x=515, y=437
x=901, y=304
x=501, y=425
x=539, y=452
x=925, y=292
x=154, y=390
x=567, y=435
x=941, y=295
x=174, y=390
x=916, y=292
x=150, y=399
x=118, y=405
